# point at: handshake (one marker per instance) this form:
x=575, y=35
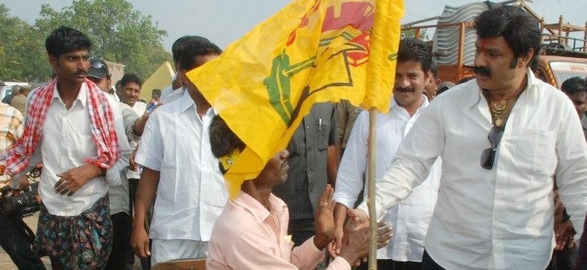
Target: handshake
x=351, y=240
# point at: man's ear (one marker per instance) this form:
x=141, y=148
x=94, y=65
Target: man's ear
x=53, y=61
x=525, y=59
x=429, y=77
x=182, y=78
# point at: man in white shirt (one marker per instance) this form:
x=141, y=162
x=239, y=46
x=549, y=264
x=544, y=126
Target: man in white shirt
x=180, y=174
x=503, y=139
x=76, y=131
x=411, y=217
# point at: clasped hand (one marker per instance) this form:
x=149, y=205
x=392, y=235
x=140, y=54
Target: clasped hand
x=352, y=242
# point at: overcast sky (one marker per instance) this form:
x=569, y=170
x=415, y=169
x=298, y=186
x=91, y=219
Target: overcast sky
x=224, y=21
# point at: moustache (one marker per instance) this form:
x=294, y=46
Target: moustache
x=482, y=70
x=404, y=89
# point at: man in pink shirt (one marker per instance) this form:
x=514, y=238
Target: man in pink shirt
x=251, y=231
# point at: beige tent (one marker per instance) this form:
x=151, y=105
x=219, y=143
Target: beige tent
x=160, y=79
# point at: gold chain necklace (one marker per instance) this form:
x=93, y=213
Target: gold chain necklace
x=500, y=109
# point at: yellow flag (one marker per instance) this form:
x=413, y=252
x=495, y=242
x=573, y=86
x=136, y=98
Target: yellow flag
x=310, y=51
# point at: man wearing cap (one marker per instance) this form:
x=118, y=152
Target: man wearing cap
x=119, y=195
x=100, y=75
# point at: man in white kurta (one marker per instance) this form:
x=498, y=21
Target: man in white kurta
x=410, y=218
x=191, y=192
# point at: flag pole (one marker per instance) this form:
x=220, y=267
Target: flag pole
x=371, y=178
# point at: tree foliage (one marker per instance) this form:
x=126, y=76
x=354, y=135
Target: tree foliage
x=17, y=46
x=410, y=33
x=118, y=33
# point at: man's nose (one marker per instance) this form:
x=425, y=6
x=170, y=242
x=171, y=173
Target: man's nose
x=480, y=60
x=401, y=81
x=83, y=65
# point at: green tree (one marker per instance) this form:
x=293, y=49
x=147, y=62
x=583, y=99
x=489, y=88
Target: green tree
x=118, y=33
x=410, y=33
x=20, y=49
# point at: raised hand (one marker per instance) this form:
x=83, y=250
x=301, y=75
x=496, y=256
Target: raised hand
x=324, y=217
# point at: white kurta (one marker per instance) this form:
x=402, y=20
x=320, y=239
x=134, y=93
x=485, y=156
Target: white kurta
x=191, y=192
x=410, y=218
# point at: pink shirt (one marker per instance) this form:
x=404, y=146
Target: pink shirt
x=248, y=236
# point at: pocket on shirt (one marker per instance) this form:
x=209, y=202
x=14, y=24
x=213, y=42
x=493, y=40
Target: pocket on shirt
x=323, y=133
x=534, y=150
x=79, y=145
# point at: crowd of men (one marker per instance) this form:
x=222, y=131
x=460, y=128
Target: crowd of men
x=488, y=175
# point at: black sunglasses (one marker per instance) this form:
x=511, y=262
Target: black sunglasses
x=488, y=155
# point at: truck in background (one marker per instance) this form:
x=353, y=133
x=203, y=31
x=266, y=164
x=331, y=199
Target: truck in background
x=6, y=88
x=453, y=43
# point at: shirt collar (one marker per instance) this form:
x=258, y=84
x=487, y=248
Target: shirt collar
x=259, y=211
x=81, y=96
x=185, y=102
x=393, y=104
x=530, y=91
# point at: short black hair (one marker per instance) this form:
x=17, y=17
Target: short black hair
x=156, y=92
x=66, y=39
x=130, y=78
x=223, y=141
x=178, y=45
x=193, y=48
x=413, y=49
x=520, y=30
x=574, y=85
